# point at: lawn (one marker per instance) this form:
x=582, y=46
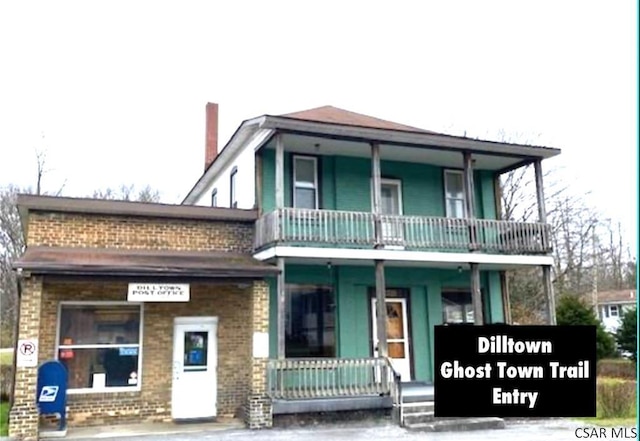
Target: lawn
x=4, y=418
x=6, y=357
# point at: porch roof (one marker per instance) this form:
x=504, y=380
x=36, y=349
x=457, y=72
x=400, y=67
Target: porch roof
x=126, y=262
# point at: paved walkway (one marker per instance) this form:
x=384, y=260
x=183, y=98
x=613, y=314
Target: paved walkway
x=553, y=430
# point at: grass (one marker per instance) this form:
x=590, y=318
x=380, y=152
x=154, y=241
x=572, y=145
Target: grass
x=4, y=418
x=610, y=422
x=6, y=358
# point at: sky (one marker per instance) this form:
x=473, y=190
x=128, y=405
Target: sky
x=113, y=92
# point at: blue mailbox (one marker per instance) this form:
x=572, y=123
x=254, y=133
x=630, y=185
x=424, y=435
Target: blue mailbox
x=52, y=390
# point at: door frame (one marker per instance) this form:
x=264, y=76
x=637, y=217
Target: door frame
x=209, y=321
x=402, y=293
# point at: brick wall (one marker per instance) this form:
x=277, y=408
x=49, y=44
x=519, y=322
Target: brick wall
x=229, y=303
x=241, y=309
x=90, y=230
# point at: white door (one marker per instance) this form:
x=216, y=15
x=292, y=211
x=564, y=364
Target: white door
x=195, y=360
x=397, y=335
x=391, y=203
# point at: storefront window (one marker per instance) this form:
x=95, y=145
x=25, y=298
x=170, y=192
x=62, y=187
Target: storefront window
x=310, y=321
x=100, y=345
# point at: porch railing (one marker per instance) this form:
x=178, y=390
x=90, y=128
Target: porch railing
x=357, y=229
x=306, y=378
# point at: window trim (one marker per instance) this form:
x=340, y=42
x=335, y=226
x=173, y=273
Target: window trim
x=392, y=182
x=233, y=190
x=214, y=197
x=315, y=186
x=448, y=171
x=107, y=390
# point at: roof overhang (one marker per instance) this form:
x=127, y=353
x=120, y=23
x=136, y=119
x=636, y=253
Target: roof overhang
x=259, y=130
x=141, y=263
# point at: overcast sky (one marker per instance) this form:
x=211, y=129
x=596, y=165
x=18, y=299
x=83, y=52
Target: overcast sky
x=114, y=92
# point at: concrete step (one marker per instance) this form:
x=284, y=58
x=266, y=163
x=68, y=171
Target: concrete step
x=423, y=406
x=414, y=418
x=457, y=424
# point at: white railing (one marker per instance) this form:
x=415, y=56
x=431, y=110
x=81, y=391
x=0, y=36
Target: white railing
x=351, y=228
x=309, y=378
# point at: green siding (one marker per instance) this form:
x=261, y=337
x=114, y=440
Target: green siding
x=353, y=309
x=345, y=184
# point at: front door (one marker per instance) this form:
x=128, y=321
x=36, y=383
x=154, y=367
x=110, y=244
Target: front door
x=397, y=335
x=391, y=203
x=195, y=360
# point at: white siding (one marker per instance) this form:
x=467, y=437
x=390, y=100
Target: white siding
x=245, y=182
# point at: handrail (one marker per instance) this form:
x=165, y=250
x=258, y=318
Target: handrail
x=357, y=229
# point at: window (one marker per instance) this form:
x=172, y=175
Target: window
x=454, y=194
x=214, y=197
x=457, y=307
x=233, y=203
x=99, y=344
x=613, y=310
x=310, y=321
x=305, y=182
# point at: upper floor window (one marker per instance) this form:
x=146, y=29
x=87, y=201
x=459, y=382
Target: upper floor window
x=214, y=197
x=454, y=193
x=233, y=202
x=305, y=182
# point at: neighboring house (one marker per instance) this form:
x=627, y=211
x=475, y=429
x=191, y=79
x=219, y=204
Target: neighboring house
x=613, y=304
x=358, y=212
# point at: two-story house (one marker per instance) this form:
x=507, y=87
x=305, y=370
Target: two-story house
x=380, y=231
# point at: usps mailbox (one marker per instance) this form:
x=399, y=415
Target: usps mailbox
x=52, y=390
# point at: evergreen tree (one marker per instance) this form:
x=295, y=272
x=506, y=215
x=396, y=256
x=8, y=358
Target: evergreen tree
x=627, y=334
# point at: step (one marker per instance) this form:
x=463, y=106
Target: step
x=422, y=406
x=457, y=425
x=416, y=391
x=414, y=418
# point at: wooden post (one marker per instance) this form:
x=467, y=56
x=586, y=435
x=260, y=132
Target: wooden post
x=506, y=300
x=548, y=291
x=381, y=309
x=476, y=295
x=282, y=298
x=546, y=269
x=470, y=199
x=377, y=197
x=279, y=171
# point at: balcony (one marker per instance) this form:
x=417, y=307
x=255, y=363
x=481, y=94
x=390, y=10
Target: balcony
x=351, y=229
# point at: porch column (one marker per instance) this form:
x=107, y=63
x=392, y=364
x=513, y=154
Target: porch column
x=546, y=269
x=381, y=309
x=476, y=295
x=377, y=197
x=258, y=411
x=282, y=297
x=469, y=199
x=279, y=171
x=23, y=416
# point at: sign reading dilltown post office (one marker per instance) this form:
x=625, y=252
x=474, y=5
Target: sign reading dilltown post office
x=158, y=292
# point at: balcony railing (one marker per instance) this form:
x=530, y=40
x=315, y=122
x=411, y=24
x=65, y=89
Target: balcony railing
x=357, y=229
x=310, y=378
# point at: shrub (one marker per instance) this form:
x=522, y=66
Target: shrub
x=6, y=382
x=627, y=335
x=572, y=311
x=616, y=398
x=617, y=368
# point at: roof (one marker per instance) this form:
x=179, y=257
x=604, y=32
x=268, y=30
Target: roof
x=28, y=202
x=125, y=262
x=335, y=115
x=617, y=296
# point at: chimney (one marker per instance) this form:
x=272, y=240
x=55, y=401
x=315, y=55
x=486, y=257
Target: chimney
x=211, y=139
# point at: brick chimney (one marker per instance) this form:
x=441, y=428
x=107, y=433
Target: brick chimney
x=211, y=139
